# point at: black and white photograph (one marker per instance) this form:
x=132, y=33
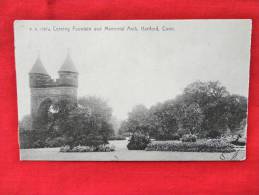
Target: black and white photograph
x=132, y=90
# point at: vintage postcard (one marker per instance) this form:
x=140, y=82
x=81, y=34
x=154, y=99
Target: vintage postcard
x=132, y=90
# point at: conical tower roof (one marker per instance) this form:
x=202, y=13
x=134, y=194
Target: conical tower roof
x=68, y=65
x=38, y=67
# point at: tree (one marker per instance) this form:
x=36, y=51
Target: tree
x=204, y=108
x=164, y=121
x=85, y=123
x=204, y=93
x=99, y=117
x=59, y=114
x=221, y=111
x=237, y=112
x=97, y=107
x=100, y=112
x=192, y=118
x=124, y=128
x=137, y=120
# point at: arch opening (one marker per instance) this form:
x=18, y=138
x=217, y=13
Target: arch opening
x=43, y=115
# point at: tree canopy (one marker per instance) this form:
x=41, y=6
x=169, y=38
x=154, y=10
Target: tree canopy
x=205, y=109
x=87, y=122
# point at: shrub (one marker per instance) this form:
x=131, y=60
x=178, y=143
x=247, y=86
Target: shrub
x=95, y=140
x=165, y=137
x=32, y=139
x=117, y=137
x=55, y=142
x=100, y=148
x=213, y=134
x=138, y=142
x=189, y=138
x=105, y=148
x=65, y=148
x=213, y=145
x=42, y=139
x=38, y=144
x=239, y=142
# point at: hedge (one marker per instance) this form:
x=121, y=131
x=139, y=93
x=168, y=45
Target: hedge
x=138, y=141
x=189, y=138
x=167, y=137
x=33, y=139
x=213, y=145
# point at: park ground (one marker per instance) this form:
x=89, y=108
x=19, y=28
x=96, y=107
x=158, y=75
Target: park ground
x=121, y=153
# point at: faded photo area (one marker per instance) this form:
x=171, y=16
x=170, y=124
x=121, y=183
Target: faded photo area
x=132, y=90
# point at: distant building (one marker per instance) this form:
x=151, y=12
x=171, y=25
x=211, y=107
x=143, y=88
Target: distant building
x=45, y=90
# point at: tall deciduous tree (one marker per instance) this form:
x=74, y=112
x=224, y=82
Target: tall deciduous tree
x=137, y=119
x=87, y=123
x=100, y=112
x=192, y=118
x=204, y=108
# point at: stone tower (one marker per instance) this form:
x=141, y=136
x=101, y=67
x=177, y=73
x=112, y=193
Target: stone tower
x=45, y=91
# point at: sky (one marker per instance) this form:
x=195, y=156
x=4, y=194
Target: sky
x=129, y=62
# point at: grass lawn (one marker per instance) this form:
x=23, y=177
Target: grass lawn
x=121, y=153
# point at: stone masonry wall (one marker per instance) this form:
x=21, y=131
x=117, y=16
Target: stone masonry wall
x=38, y=95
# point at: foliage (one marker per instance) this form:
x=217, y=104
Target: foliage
x=222, y=111
x=43, y=117
x=137, y=120
x=163, y=120
x=205, y=109
x=237, y=112
x=213, y=145
x=124, y=129
x=174, y=136
x=86, y=124
x=203, y=93
x=40, y=139
x=138, y=141
x=189, y=138
x=213, y=133
x=105, y=148
x=32, y=139
x=55, y=142
x=192, y=118
x=79, y=148
x=97, y=107
x=238, y=141
x=241, y=142
x=38, y=144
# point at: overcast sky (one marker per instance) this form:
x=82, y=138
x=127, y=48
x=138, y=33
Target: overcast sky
x=136, y=67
